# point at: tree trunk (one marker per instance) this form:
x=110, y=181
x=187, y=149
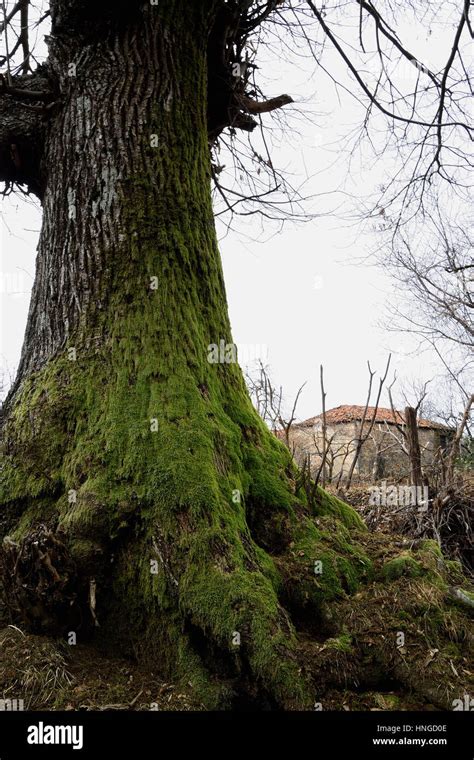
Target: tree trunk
x=140, y=453
x=413, y=445
x=143, y=497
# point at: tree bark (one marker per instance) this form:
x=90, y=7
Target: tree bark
x=138, y=453
x=413, y=445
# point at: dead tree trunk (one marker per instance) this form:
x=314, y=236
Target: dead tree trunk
x=413, y=445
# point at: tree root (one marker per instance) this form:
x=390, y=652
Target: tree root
x=40, y=581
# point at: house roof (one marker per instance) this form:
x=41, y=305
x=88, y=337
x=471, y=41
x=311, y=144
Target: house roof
x=348, y=413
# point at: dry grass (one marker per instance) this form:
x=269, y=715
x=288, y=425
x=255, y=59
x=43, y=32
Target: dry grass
x=31, y=668
x=49, y=675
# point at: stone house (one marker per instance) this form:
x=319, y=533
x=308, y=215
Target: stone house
x=383, y=454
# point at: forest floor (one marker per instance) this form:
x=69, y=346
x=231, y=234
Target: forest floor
x=50, y=674
x=48, y=677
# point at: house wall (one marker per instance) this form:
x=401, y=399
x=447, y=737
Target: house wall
x=382, y=455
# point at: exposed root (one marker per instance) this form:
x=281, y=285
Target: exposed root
x=398, y=631
x=263, y=601
x=40, y=583
x=354, y=629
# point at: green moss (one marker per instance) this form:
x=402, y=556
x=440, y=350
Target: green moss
x=322, y=563
x=386, y=701
x=403, y=565
x=432, y=547
x=454, y=571
x=342, y=643
x=328, y=504
x=430, y=556
x=40, y=511
x=403, y=615
x=452, y=650
x=127, y=478
x=268, y=568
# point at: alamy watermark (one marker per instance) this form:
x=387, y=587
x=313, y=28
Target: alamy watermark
x=46, y=734
x=12, y=705
x=231, y=353
x=399, y=496
x=465, y=703
x=14, y=283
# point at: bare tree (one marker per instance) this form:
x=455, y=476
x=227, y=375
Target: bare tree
x=437, y=280
x=325, y=442
x=448, y=517
x=413, y=445
x=365, y=430
x=454, y=449
x=269, y=402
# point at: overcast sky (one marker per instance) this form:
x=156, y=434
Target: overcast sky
x=297, y=298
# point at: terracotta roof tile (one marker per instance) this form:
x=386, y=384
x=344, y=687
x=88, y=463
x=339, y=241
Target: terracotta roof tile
x=349, y=413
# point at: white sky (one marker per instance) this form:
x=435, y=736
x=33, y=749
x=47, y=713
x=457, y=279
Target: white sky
x=299, y=294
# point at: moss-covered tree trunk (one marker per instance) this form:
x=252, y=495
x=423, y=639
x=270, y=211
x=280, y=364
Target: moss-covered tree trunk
x=125, y=435
x=144, y=500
